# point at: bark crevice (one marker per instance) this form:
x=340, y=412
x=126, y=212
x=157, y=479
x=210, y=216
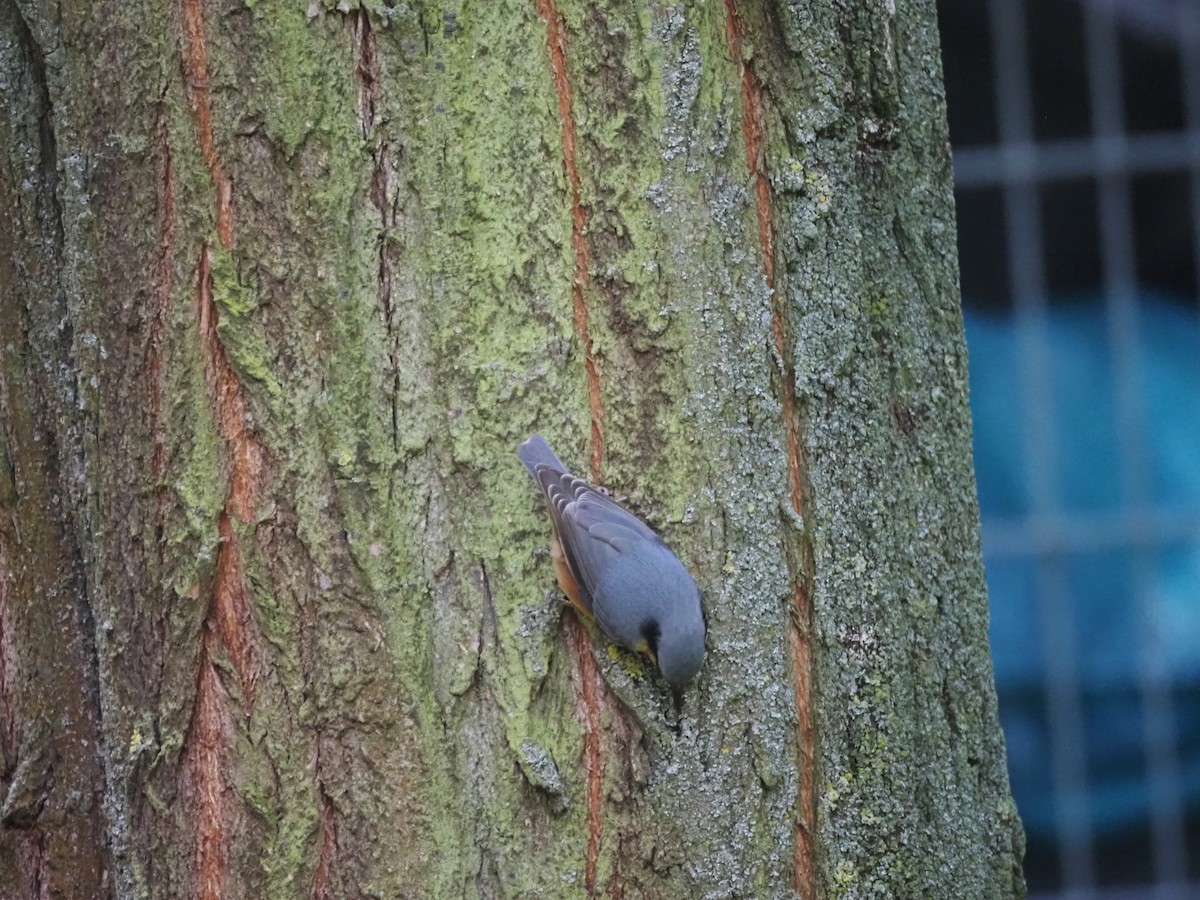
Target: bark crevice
x=590, y=687
x=801, y=574
x=195, y=72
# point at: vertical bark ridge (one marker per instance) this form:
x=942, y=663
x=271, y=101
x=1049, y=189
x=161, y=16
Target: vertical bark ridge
x=207, y=742
x=366, y=70
x=52, y=842
x=40, y=865
x=369, y=79
x=589, y=677
x=367, y=76
x=162, y=301
x=8, y=663
x=229, y=403
x=228, y=628
x=753, y=131
x=229, y=615
x=195, y=65
x=591, y=690
x=8, y=712
x=328, y=852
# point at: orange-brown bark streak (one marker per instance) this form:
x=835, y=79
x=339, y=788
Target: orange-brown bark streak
x=579, y=223
x=589, y=677
x=230, y=613
x=593, y=759
x=227, y=625
x=209, y=737
x=195, y=66
x=753, y=133
x=322, y=889
x=229, y=405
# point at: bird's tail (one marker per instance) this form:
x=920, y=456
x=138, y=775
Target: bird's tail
x=536, y=452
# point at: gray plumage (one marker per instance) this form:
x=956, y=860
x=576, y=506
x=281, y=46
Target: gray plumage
x=637, y=589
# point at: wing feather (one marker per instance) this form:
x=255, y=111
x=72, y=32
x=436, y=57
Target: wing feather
x=592, y=529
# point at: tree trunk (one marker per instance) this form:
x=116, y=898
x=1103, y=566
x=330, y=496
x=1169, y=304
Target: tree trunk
x=283, y=289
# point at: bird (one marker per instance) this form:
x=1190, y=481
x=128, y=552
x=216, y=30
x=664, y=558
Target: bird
x=617, y=571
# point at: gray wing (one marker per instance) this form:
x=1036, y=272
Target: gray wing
x=594, y=531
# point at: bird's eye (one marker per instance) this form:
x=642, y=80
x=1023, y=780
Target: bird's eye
x=650, y=632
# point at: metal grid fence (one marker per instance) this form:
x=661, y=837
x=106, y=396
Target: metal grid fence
x=1021, y=167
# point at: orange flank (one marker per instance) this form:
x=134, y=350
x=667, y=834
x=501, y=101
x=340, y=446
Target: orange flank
x=566, y=581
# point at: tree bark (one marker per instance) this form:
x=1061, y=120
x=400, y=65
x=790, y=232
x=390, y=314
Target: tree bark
x=282, y=290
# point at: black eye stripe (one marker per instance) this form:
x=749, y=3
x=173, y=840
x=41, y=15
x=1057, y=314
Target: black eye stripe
x=651, y=632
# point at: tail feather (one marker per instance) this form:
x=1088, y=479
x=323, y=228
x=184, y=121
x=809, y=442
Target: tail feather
x=536, y=452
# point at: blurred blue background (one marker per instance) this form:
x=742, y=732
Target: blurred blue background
x=1076, y=134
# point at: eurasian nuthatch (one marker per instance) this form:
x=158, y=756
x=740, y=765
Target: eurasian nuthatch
x=615, y=569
